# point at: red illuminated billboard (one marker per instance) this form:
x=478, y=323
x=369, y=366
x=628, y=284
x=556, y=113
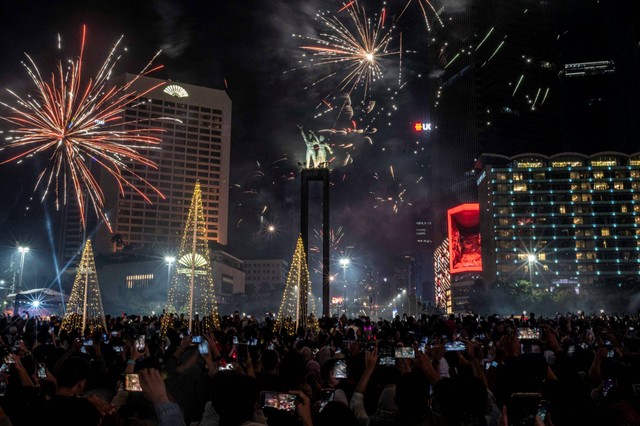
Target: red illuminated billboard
x=464, y=239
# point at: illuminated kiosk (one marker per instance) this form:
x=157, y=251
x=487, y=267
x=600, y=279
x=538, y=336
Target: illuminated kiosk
x=192, y=289
x=465, y=258
x=84, y=309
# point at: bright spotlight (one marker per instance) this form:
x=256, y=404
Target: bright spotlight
x=169, y=259
x=531, y=258
x=35, y=303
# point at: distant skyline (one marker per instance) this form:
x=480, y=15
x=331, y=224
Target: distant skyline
x=247, y=48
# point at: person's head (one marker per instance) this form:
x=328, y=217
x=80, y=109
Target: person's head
x=335, y=413
x=269, y=360
x=73, y=375
x=327, y=372
x=234, y=396
x=412, y=394
x=306, y=354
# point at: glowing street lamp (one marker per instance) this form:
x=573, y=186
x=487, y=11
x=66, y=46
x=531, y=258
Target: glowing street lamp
x=532, y=259
x=170, y=261
x=344, y=263
x=23, y=252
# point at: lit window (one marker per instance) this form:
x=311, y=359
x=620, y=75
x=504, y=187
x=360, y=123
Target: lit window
x=605, y=232
x=577, y=221
x=519, y=187
x=139, y=281
x=563, y=209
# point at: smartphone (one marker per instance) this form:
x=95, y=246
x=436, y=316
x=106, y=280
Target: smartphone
x=405, y=352
x=83, y=349
x=87, y=342
x=608, y=385
x=340, y=370
x=489, y=364
x=278, y=401
x=456, y=346
x=8, y=359
x=132, y=382
x=529, y=333
x=196, y=339
x=326, y=396
x=523, y=407
x=243, y=350
x=203, y=348
x=140, y=343
x=272, y=347
x=4, y=368
x=114, y=334
x=543, y=408
x=105, y=337
x=571, y=350
x=118, y=349
x=253, y=342
x=611, y=353
x=235, y=340
x=41, y=369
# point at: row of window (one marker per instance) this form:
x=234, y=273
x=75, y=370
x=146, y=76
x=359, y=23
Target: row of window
x=562, y=176
x=179, y=105
x=149, y=234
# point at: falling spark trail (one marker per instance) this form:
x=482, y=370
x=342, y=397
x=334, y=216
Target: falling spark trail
x=80, y=125
x=518, y=84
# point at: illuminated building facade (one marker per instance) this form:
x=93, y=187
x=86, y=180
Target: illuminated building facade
x=442, y=281
x=195, y=147
x=465, y=255
x=564, y=219
x=265, y=277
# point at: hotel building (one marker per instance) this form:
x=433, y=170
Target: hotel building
x=566, y=219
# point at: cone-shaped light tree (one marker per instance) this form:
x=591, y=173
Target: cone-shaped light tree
x=192, y=289
x=293, y=308
x=84, y=309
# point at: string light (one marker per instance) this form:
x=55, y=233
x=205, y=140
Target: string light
x=295, y=298
x=85, y=304
x=192, y=290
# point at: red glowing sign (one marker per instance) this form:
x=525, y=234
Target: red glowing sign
x=417, y=127
x=464, y=239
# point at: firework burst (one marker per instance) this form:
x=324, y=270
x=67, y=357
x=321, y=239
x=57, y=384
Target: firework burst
x=76, y=122
x=357, y=45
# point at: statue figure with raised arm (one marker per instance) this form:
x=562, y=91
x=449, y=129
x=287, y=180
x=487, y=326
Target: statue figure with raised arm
x=321, y=155
x=312, y=142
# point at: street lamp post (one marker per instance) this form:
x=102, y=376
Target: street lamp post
x=531, y=258
x=344, y=263
x=170, y=260
x=23, y=251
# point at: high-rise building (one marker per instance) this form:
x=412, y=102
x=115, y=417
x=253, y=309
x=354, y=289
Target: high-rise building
x=518, y=76
x=196, y=124
x=266, y=276
x=566, y=219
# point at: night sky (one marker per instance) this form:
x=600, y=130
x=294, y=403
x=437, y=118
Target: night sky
x=245, y=47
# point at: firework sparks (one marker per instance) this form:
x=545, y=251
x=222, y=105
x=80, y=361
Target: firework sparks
x=78, y=122
x=357, y=45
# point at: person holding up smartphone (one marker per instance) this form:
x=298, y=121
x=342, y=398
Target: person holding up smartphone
x=153, y=388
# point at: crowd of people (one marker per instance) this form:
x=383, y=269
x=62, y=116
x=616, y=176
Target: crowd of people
x=569, y=369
